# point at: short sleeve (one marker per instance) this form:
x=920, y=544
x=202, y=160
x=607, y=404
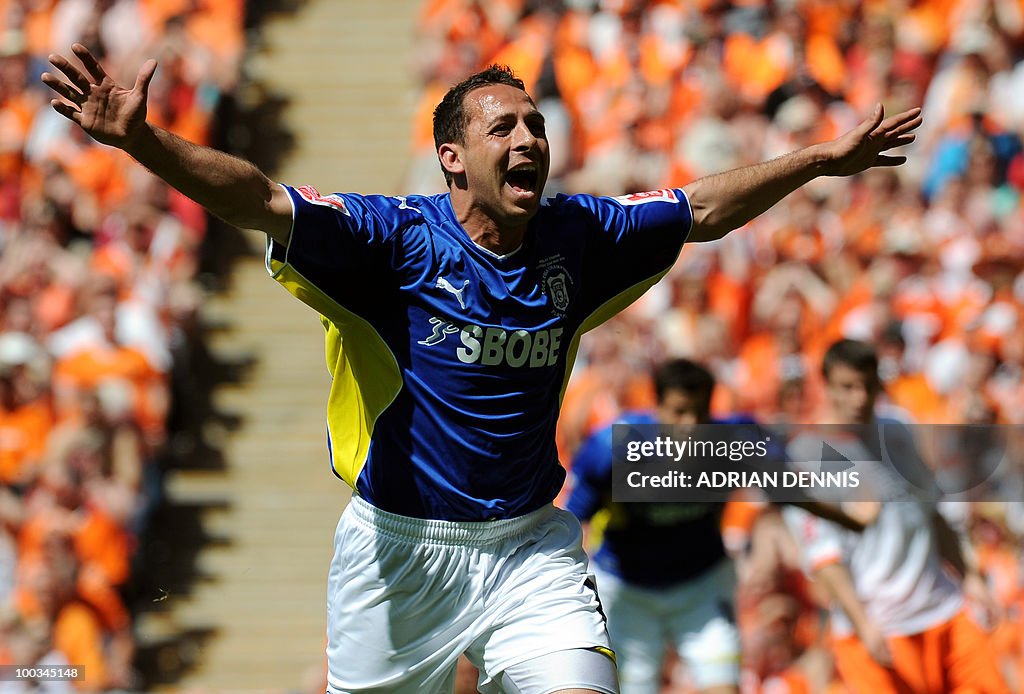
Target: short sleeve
x=820, y=540
x=633, y=241
x=339, y=243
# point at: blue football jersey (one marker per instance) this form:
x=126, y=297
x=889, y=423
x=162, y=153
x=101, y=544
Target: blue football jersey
x=650, y=544
x=449, y=361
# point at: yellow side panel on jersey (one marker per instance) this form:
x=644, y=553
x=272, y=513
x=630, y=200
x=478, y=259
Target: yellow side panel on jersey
x=595, y=529
x=366, y=377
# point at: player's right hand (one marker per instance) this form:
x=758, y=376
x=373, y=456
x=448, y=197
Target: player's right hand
x=876, y=645
x=109, y=113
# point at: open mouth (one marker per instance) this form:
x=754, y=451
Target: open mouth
x=523, y=179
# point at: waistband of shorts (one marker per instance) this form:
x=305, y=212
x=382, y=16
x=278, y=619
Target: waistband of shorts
x=442, y=531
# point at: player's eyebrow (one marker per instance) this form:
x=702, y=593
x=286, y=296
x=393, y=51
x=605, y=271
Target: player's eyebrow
x=500, y=118
x=532, y=116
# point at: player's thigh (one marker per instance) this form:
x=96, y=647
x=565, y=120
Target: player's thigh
x=575, y=670
x=970, y=660
x=393, y=623
x=541, y=600
x=637, y=626
x=703, y=627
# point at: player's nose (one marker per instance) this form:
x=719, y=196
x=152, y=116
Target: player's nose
x=524, y=139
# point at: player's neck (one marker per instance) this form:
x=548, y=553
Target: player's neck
x=487, y=232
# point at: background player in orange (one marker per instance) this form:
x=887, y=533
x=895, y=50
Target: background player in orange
x=898, y=615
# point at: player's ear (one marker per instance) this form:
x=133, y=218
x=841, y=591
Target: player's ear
x=451, y=159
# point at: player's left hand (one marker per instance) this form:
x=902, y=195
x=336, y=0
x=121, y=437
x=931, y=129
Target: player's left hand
x=866, y=145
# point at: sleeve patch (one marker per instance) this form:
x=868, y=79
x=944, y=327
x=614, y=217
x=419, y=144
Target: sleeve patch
x=312, y=195
x=663, y=195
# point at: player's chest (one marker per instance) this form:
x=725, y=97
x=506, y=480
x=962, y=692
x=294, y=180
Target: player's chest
x=515, y=313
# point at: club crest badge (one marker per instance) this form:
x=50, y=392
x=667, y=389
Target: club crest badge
x=557, y=285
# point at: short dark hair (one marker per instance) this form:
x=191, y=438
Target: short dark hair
x=683, y=375
x=450, y=119
x=859, y=356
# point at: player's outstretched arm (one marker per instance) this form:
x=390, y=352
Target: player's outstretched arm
x=838, y=583
x=726, y=201
x=231, y=188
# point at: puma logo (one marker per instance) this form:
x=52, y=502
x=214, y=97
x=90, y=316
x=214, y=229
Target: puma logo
x=444, y=284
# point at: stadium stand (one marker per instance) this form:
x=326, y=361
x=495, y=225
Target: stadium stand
x=926, y=258
x=926, y=261
x=99, y=260
x=99, y=293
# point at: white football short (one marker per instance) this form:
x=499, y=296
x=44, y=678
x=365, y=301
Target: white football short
x=696, y=617
x=406, y=597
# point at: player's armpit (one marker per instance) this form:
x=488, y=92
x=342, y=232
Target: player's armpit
x=279, y=216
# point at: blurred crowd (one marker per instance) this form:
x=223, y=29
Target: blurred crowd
x=98, y=258
x=98, y=297
x=925, y=261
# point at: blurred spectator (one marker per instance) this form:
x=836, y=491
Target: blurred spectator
x=97, y=290
x=926, y=261
x=659, y=92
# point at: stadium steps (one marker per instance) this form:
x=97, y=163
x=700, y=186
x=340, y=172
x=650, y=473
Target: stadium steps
x=268, y=516
x=348, y=71
x=256, y=609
